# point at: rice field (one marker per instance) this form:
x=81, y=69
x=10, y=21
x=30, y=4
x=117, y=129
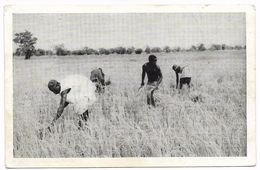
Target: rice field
x=207, y=120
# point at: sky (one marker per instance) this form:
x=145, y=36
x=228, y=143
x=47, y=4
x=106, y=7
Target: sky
x=101, y=30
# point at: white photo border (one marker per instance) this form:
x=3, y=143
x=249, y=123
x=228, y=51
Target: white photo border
x=249, y=160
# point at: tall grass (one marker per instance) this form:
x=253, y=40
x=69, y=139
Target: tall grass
x=207, y=120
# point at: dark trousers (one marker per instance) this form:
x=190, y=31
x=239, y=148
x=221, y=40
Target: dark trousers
x=185, y=80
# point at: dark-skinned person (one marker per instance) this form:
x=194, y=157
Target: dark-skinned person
x=154, y=76
x=75, y=91
x=97, y=76
x=182, y=77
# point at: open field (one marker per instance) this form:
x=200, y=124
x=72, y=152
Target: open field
x=121, y=124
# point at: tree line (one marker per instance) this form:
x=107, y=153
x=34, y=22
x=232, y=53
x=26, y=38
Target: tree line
x=26, y=42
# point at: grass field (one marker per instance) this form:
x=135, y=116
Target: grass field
x=121, y=124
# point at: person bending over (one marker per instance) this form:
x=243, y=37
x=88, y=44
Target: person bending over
x=76, y=91
x=181, y=77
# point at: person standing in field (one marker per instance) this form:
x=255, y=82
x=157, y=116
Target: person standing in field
x=78, y=92
x=154, y=76
x=181, y=76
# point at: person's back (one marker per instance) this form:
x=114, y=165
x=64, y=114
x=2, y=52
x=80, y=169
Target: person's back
x=81, y=94
x=77, y=91
x=182, y=76
x=153, y=72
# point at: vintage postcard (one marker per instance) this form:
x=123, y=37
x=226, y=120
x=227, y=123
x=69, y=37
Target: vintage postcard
x=130, y=86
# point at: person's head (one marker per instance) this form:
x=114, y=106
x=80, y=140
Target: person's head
x=152, y=59
x=174, y=67
x=54, y=86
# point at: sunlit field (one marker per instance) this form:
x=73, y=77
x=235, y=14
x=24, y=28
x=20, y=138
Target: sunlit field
x=207, y=120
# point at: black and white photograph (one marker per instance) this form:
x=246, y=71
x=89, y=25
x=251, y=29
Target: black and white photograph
x=130, y=84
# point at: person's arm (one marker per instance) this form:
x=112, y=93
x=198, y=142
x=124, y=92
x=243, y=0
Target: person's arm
x=160, y=76
x=62, y=105
x=177, y=79
x=102, y=77
x=143, y=75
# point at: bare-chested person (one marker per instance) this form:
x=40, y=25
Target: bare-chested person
x=154, y=76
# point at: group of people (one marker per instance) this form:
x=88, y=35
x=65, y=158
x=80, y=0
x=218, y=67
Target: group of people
x=80, y=92
x=154, y=76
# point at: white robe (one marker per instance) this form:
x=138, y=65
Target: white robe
x=82, y=93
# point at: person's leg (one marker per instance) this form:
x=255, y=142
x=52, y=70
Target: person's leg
x=148, y=94
x=152, y=98
x=83, y=118
x=181, y=83
x=148, y=98
x=80, y=122
x=189, y=82
x=85, y=115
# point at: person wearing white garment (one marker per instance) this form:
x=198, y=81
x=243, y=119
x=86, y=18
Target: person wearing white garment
x=77, y=91
x=184, y=78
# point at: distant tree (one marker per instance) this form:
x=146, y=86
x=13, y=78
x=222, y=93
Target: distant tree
x=216, y=47
x=138, y=51
x=92, y=51
x=102, y=51
x=176, y=49
x=112, y=50
x=223, y=46
x=238, y=47
x=18, y=52
x=245, y=47
x=201, y=47
x=85, y=49
x=61, y=51
x=156, y=50
x=193, y=48
x=147, y=50
x=88, y=51
x=229, y=47
x=40, y=52
x=79, y=52
x=120, y=50
x=48, y=52
x=95, y=52
x=25, y=41
x=107, y=52
x=167, y=49
x=130, y=50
